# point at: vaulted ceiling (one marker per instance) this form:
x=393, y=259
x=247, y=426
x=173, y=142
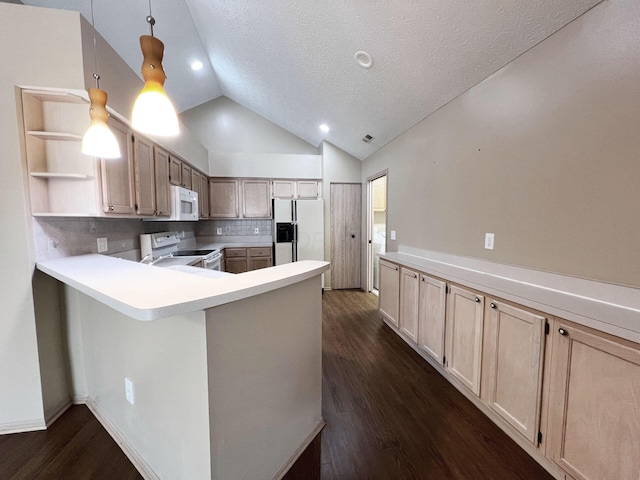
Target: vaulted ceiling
x=293, y=61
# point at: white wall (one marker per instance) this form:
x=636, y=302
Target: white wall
x=241, y=143
x=544, y=154
x=339, y=167
x=51, y=60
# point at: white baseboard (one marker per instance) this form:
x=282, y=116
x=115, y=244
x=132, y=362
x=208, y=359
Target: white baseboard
x=21, y=427
x=141, y=465
x=52, y=417
x=299, y=451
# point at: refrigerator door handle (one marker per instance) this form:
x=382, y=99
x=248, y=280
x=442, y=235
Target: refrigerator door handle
x=294, y=244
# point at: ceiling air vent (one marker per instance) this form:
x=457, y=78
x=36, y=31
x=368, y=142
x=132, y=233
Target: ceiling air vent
x=367, y=139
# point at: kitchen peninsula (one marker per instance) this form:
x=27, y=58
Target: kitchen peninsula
x=226, y=372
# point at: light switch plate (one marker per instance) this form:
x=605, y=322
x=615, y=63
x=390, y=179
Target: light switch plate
x=489, y=240
x=129, y=391
x=103, y=246
x=256, y=231
x=218, y=231
x=393, y=234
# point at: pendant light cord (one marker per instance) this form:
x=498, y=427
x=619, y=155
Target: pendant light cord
x=150, y=20
x=95, y=49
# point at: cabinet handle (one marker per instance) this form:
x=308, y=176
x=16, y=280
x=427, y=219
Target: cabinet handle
x=563, y=332
x=477, y=299
x=415, y=275
x=111, y=208
x=493, y=305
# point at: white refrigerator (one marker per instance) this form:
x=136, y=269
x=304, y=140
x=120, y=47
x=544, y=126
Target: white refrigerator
x=298, y=230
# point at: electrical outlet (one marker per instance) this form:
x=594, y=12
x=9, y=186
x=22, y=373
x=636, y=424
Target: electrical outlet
x=92, y=227
x=218, y=231
x=489, y=239
x=103, y=246
x=393, y=234
x=129, y=391
x=256, y=231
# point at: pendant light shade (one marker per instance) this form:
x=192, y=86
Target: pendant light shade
x=153, y=112
x=99, y=140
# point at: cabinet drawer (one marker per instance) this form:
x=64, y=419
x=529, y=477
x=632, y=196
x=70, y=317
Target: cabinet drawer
x=260, y=252
x=235, y=252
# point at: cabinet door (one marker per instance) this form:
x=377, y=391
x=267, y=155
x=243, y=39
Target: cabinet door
x=256, y=263
x=594, y=404
x=284, y=189
x=389, y=291
x=409, y=287
x=117, y=175
x=145, y=176
x=256, y=199
x=195, y=181
x=163, y=194
x=185, y=176
x=307, y=189
x=175, y=173
x=513, y=361
x=223, y=198
x=464, y=337
x=236, y=265
x=431, y=316
x=204, y=197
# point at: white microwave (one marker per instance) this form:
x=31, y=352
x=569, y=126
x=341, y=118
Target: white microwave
x=184, y=204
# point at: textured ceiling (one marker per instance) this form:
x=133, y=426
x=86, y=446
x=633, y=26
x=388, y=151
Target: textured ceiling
x=292, y=62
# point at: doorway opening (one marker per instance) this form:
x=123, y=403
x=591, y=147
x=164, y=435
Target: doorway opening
x=376, y=227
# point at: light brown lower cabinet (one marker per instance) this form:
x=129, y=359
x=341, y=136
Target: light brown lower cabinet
x=409, y=288
x=389, y=291
x=513, y=365
x=464, y=327
x=258, y=257
x=594, y=404
x=431, y=309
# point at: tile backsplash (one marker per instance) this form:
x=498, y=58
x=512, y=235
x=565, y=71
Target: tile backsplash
x=63, y=237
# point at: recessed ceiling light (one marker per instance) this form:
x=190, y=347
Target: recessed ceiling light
x=324, y=127
x=364, y=59
x=197, y=65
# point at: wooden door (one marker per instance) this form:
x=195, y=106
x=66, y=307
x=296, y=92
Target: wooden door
x=117, y=175
x=409, y=288
x=144, y=166
x=431, y=316
x=256, y=199
x=175, y=171
x=163, y=193
x=594, y=404
x=464, y=326
x=389, y=291
x=346, y=199
x=223, y=198
x=513, y=361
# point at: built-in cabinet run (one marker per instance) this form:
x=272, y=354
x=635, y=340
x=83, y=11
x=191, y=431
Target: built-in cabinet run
x=241, y=259
x=571, y=393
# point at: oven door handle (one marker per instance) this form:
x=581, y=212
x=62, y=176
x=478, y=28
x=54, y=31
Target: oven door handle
x=213, y=259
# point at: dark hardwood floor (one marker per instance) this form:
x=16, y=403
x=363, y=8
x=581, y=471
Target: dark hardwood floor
x=390, y=416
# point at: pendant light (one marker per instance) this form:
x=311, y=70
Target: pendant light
x=153, y=112
x=99, y=140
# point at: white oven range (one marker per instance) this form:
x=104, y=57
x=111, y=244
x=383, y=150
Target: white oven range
x=162, y=249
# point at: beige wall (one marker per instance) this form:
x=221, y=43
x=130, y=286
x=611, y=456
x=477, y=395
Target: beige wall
x=544, y=154
x=338, y=167
x=27, y=60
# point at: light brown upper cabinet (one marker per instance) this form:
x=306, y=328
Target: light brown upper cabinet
x=117, y=175
x=594, y=404
x=307, y=189
x=389, y=291
x=256, y=199
x=513, y=365
x=431, y=319
x=223, y=198
x=409, y=288
x=464, y=327
x=185, y=176
x=163, y=195
x=303, y=189
x=175, y=171
x=203, y=198
x=144, y=167
x=284, y=189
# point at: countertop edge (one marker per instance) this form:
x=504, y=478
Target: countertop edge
x=609, y=308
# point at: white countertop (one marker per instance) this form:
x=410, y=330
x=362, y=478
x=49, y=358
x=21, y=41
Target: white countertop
x=146, y=292
x=610, y=308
